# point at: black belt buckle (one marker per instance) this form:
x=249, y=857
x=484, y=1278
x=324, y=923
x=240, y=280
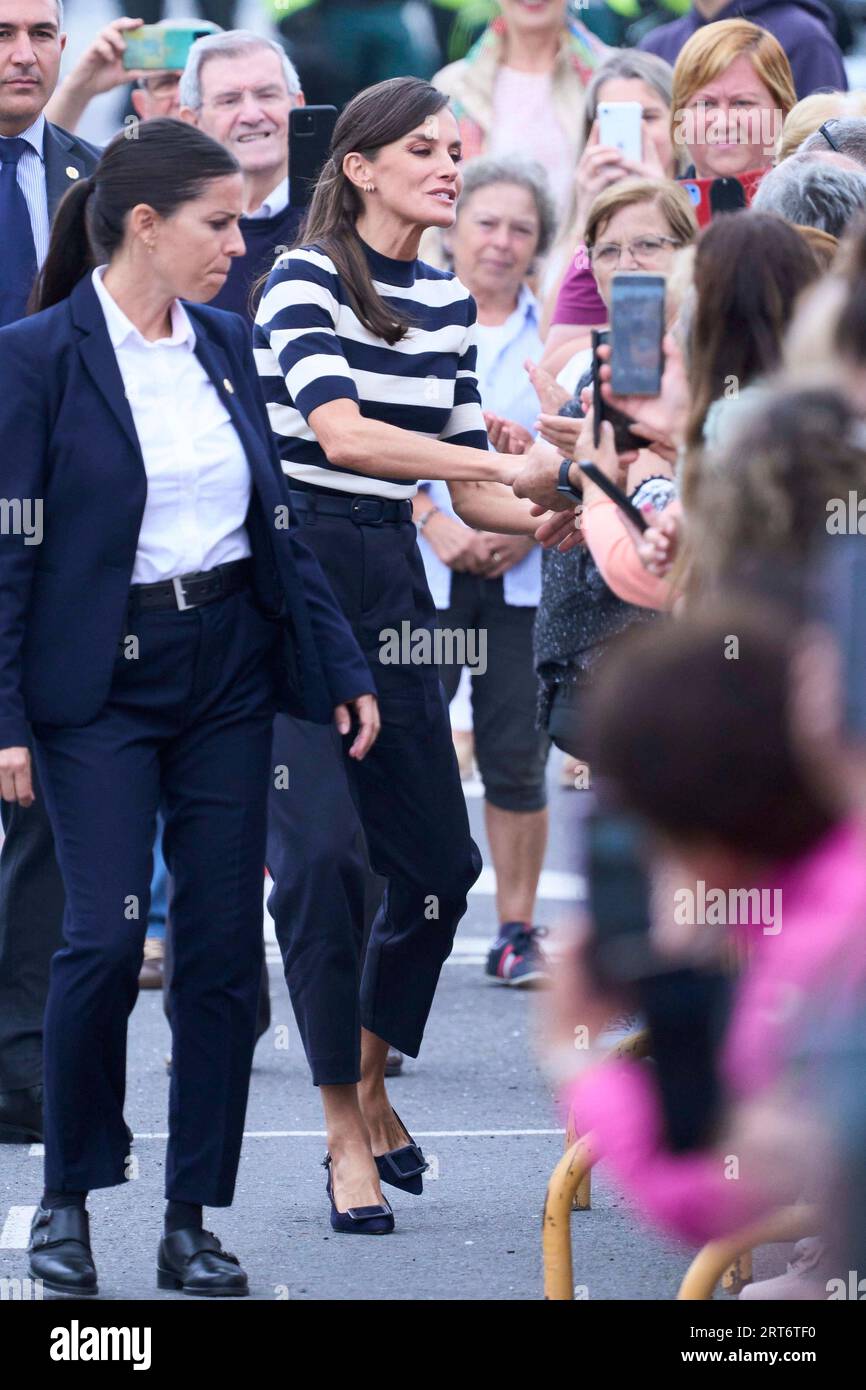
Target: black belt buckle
x=368, y=511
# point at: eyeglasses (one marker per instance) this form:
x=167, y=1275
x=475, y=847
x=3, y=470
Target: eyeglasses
x=822, y=130
x=643, y=249
x=164, y=84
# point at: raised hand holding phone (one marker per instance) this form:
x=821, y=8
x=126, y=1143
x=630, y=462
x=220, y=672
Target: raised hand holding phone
x=660, y=420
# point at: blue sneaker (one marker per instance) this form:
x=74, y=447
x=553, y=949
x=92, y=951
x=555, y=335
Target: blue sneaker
x=516, y=958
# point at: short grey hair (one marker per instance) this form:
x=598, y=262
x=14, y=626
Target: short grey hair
x=848, y=134
x=525, y=173
x=811, y=193
x=231, y=44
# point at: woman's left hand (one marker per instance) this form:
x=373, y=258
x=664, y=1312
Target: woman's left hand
x=505, y=552
x=560, y=530
x=506, y=436
x=366, y=708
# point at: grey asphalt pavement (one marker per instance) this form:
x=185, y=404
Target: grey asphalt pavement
x=476, y=1101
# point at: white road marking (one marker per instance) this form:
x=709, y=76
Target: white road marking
x=16, y=1228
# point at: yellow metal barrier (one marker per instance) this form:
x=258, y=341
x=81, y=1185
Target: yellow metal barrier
x=710, y=1263
x=572, y=1169
x=636, y=1045
x=570, y=1188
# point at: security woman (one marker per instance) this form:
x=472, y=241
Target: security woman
x=146, y=643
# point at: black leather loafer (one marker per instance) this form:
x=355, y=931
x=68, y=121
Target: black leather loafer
x=21, y=1116
x=60, y=1252
x=195, y=1262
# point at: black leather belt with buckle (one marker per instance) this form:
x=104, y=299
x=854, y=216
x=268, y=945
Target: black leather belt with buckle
x=193, y=590
x=364, y=511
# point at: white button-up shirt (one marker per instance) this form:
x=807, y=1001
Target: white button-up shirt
x=198, y=477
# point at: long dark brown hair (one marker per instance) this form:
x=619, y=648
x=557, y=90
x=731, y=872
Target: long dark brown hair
x=165, y=164
x=375, y=117
x=749, y=269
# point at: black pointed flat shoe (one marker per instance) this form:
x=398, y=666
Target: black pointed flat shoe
x=375, y=1220
x=60, y=1253
x=193, y=1261
x=403, y=1167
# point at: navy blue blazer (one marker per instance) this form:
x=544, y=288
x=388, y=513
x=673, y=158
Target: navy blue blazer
x=67, y=439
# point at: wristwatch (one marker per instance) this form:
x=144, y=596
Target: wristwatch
x=564, y=486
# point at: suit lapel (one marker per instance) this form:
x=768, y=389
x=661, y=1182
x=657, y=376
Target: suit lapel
x=63, y=167
x=99, y=358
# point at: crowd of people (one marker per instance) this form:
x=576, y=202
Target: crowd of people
x=258, y=440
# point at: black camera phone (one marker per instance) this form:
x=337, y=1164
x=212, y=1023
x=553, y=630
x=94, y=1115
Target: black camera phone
x=685, y=1009
x=637, y=325
x=624, y=441
x=616, y=494
x=310, y=132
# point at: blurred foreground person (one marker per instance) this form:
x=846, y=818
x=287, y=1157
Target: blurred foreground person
x=746, y=850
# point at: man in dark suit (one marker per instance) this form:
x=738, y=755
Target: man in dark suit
x=38, y=163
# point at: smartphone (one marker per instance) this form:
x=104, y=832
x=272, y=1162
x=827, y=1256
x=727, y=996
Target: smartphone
x=161, y=48
x=637, y=325
x=619, y=951
x=620, y=125
x=838, y=591
x=310, y=132
x=623, y=439
x=685, y=1009
x=615, y=494
x=711, y=196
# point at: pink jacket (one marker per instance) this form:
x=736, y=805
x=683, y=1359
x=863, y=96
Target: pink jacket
x=612, y=549
x=820, y=952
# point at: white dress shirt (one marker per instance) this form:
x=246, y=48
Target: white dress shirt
x=276, y=201
x=198, y=477
x=31, y=181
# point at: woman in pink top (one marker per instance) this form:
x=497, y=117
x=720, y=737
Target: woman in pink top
x=698, y=747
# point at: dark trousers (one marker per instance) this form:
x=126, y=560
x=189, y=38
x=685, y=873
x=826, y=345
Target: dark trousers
x=31, y=910
x=510, y=749
x=408, y=795
x=188, y=725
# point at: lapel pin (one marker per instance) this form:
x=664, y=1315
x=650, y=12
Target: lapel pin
x=227, y=384
x=72, y=172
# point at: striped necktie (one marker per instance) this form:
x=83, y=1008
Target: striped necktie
x=17, y=247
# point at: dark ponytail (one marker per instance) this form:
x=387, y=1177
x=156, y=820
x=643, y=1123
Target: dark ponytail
x=162, y=163
x=70, y=254
x=375, y=117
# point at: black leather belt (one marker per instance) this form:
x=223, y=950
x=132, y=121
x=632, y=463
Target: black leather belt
x=364, y=511
x=193, y=590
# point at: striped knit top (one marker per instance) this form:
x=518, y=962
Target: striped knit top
x=310, y=348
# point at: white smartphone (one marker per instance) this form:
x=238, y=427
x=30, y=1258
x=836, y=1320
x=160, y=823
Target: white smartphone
x=620, y=126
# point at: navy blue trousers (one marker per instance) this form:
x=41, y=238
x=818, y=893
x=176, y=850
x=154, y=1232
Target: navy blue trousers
x=408, y=797
x=187, y=726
